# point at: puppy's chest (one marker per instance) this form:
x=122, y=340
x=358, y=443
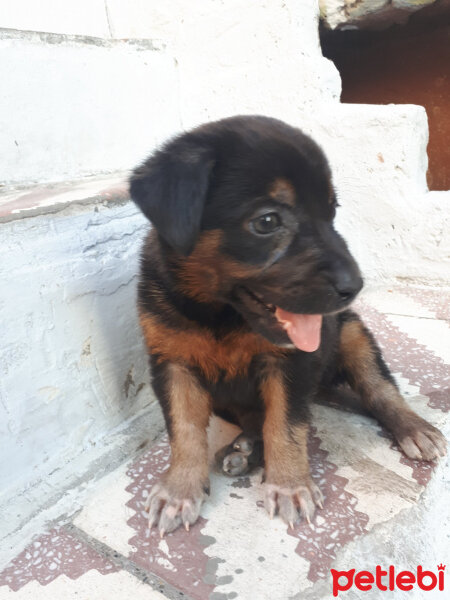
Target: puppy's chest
x=226, y=356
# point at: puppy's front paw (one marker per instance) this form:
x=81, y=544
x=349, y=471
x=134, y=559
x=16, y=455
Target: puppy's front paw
x=171, y=503
x=292, y=502
x=420, y=440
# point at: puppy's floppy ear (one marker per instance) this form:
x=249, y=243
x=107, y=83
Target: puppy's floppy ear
x=171, y=188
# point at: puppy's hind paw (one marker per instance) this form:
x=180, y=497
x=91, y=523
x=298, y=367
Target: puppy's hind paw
x=240, y=457
x=235, y=464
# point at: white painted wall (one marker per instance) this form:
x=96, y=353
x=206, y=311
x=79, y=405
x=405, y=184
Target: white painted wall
x=82, y=17
x=72, y=108
x=72, y=361
x=77, y=106
x=395, y=227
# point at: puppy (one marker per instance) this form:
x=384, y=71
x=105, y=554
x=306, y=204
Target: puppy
x=243, y=302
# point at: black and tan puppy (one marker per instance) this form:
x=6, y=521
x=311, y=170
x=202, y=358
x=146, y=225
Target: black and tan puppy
x=243, y=303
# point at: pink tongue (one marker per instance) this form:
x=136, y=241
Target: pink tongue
x=304, y=330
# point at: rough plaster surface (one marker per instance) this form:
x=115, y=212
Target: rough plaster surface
x=73, y=364
x=62, y=487
x=341, y=13
x=261, y=57
x=395, y=227
x=98, y=105
x=85, y=17
x=79, y=107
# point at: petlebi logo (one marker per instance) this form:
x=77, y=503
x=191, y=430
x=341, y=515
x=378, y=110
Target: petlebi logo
x=388, y=579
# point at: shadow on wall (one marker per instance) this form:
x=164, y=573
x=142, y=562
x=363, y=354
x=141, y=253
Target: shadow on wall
x=115, y=348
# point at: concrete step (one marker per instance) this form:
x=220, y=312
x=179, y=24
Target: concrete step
x=80, y=106
x=73, y=365
x=394, y=225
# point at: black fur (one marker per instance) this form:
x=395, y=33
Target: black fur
x=171, y=190
x=210, y=191
x=216, y=177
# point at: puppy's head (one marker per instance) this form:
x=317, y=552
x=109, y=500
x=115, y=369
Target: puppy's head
x=246, y=206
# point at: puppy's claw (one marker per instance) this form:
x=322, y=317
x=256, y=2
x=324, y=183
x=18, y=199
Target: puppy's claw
x=317, y=495
x=186, y=525
x=270, y=504
x=293, y=502
x=161, y=533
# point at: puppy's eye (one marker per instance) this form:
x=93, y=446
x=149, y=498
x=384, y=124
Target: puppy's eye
x=266, y=224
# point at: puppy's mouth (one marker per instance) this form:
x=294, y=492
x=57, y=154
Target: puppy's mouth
x=279, y=325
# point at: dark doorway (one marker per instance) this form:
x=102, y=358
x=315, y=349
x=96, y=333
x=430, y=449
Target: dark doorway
x=404, y=64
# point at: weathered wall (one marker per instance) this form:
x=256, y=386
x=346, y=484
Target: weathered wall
x=395, y=227
x=370, y=13
x=79, y=105
x=72, y=362
x=74, y=107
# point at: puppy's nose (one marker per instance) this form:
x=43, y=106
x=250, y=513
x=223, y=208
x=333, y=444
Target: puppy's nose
x=347, y=284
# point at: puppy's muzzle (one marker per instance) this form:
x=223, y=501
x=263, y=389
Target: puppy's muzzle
x=347, y=283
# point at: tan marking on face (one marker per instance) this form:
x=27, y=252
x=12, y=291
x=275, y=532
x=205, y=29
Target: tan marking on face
x=285, y=444
x=283, y=191
x=206, y=273
x=197, y=347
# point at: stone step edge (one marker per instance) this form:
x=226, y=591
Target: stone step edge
x=18, y=202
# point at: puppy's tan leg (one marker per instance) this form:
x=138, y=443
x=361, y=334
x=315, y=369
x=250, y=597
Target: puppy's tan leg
x=289, y=487
x=178, y=497
x=367, y=373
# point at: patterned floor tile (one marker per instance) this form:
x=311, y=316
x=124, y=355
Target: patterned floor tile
x=51, y=555
x=179, y=558
x=107, y=507
x=90, y=586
